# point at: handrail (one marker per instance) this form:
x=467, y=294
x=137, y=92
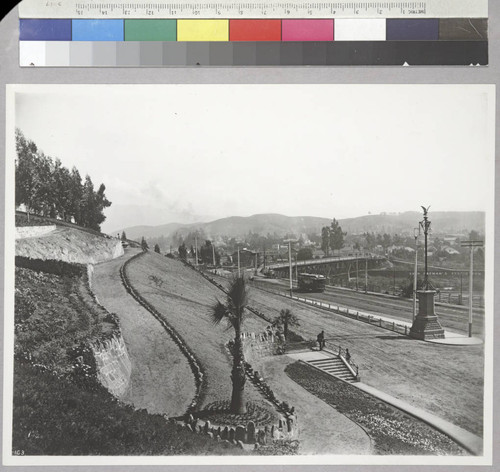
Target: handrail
x=342, y=352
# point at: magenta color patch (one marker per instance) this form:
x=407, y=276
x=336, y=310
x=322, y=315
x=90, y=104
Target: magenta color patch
x=307, y=30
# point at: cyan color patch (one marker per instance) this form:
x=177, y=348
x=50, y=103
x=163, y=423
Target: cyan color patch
x=98, y=30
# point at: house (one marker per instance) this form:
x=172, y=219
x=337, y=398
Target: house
x=248, y=258
x=450, y=251
x=318, y=253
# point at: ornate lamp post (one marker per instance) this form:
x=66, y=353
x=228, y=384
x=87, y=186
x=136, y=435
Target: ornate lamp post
x=426, y=324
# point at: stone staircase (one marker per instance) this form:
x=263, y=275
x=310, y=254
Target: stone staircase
x=334, y=366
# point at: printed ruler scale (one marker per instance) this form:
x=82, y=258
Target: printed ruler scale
x=125, y=33
x=274, y=9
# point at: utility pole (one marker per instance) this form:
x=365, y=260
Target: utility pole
x=290, y=269
x=416, y=232
x=357, y=272
x=239, y=271
x=366, y=274
x=471, y=244
x=213, y=254
x=196, y=250
x=461, y=290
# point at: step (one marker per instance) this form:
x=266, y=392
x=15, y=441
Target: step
x=335, y=367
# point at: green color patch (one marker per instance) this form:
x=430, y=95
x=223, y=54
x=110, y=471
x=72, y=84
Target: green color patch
x=150, y=30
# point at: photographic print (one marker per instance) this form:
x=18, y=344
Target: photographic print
x=249, y=274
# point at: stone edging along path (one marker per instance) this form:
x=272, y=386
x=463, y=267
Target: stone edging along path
x=194, y=364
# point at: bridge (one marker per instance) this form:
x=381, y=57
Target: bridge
x=329, y=266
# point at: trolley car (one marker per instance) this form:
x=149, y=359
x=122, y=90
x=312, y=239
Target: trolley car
x=312, y=282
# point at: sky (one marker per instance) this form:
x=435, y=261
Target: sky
x=201, y=152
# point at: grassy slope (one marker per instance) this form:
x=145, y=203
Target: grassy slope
x=53, y=415
x=184, y=298
x=445, y=380
x=53, y=314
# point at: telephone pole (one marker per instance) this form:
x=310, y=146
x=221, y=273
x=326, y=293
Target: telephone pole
x=471, y=244
x=196, y=250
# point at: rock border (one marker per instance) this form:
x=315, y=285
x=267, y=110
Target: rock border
x=194, y=363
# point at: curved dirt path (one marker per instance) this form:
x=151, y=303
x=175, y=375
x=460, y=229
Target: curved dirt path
x=161, y=379
x=322, y=429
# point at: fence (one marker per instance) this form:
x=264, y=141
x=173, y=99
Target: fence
x=399, y=328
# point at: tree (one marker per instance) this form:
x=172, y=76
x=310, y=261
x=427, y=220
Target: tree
x=286, y=319
x=304, y=254
x=336, y=235
x=183, y=251
x=386, y=240
x=325, y=239
x=233, y=312
x=157, y=248
x=26, y=172
x=124, y=236
x=144, y=244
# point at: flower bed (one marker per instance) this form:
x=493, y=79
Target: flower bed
x=392, y=431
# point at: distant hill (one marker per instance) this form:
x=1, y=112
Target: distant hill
x=442, y=222
x=238, y=226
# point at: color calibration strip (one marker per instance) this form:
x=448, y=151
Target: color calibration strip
x=181, y=42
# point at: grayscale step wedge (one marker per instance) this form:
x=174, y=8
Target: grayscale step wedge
x=334, y=366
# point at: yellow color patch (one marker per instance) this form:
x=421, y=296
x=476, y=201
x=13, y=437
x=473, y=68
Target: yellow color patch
x=202, y=30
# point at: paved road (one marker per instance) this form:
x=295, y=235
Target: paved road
x=161, y=380
x=451, y=317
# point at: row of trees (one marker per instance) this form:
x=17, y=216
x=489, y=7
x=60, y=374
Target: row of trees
x=206, y=252
x=332, y=237
x=46, y=188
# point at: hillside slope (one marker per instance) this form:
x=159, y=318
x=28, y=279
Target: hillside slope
x=185, y=298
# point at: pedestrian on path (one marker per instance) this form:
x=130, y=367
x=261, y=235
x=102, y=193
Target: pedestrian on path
x=347, y=356
x=321, y=340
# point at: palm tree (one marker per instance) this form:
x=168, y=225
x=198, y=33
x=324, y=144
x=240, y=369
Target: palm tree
x=286, y=318
x=233, y=311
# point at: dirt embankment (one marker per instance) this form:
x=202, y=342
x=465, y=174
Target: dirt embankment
x=70, y=245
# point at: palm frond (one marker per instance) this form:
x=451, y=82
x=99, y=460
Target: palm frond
x=218, y=312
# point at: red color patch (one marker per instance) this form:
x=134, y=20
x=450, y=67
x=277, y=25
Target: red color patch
x=254, y=30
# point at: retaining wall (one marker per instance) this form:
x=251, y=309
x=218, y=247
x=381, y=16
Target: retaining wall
x=258, y=345
x=113, y=364
x=286, y=428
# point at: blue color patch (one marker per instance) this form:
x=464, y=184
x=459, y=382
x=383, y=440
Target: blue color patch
x=412, y=30
x=98, y=30
x=44, y=30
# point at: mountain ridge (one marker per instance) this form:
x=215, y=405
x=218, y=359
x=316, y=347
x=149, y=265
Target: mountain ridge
x=275, y=223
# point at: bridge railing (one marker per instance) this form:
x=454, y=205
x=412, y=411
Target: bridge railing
x=324, y=260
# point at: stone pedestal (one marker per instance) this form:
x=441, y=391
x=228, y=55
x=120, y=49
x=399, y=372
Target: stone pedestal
x=426, y=324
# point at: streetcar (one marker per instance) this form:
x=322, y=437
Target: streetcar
x=312, y=282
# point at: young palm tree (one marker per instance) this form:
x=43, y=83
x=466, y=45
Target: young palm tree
x=233, y=311
x=287, y=319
